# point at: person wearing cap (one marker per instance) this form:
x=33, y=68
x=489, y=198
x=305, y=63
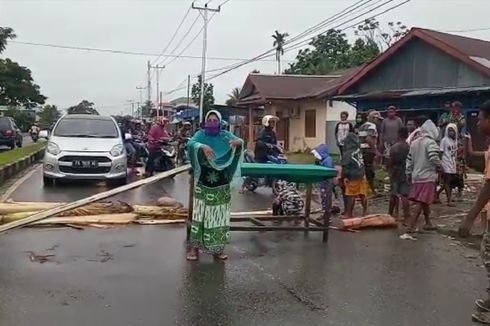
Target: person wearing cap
x=157, y=133
x=390, y=129
x=368, y=137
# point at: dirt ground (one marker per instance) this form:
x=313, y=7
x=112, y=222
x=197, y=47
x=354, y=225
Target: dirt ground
x=446, y=218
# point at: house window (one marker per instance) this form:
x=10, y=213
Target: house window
x=310, y=123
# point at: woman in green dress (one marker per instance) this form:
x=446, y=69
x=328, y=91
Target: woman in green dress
x=215, y=156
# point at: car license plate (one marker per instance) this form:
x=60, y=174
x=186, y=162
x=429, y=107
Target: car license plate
x=85, y=164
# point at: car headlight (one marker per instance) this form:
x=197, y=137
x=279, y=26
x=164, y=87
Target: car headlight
x=117, y=150
x=53, y=149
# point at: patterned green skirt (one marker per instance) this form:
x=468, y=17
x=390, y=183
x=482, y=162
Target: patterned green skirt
x=210, y=217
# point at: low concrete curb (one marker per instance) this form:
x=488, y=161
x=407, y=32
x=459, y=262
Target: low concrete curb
x=12, y=169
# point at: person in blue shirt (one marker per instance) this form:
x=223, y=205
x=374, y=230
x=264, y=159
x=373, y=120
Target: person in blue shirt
x=324, y=159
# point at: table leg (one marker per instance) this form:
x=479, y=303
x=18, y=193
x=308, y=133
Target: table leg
x=326, y=219
x=309, y=191
x=190, y=205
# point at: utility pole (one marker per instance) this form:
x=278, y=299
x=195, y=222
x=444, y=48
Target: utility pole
x=188, y=90
x=204, y=14
x=140, y=103
x=132, y=107
x=188, y=93
x=148, y=86
x=158, y=68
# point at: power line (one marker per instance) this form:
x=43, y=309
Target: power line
x=102, y=50
x=329, y=20
x=190, y=43
x=267, y=53
x=469, y=30
x=307, y=41
x=182, y=38
x=173, y=36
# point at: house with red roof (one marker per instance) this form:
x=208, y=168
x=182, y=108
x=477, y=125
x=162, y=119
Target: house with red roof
x=424, y=72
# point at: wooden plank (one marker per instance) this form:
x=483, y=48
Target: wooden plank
x=266, y=212
x=159, y=222
x=126, y=218
x=256, y=222
x=266, y=218
x=275, y=228
x=106, y=194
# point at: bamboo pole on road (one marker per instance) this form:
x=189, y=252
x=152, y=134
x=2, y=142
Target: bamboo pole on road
x=84, y=201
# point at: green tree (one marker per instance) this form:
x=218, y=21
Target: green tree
x=6, y=33
x=16, y=84
x=49, y=115
x=279, y=40
x=23, y=118
x=384, y=37
x=233, y=97
x=208, y=94
x=84, y=107
x=332, y=51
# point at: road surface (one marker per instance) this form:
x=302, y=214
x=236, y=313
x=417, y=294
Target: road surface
x=138, y=275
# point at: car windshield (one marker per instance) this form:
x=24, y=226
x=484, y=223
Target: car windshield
x=86, y=128
x=5, y=123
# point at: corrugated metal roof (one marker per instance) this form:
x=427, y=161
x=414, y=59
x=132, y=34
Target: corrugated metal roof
x=396, y=93
x=473, y=52
x=259, y=88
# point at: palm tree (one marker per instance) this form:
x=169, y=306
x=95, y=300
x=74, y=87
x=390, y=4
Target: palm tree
x=279, y=40
x=233, y=97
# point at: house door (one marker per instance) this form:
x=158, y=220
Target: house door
x=282, y=130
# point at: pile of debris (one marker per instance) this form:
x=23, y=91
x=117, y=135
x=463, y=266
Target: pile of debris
x=98, y=214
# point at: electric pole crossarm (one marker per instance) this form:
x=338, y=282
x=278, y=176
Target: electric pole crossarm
x=204, y=14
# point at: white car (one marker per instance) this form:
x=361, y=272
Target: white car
x=87, y=147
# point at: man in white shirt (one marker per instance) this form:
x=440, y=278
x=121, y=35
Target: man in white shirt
x=342, y=129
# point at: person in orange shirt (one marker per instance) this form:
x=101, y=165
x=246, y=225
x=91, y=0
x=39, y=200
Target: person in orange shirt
x=482, y=314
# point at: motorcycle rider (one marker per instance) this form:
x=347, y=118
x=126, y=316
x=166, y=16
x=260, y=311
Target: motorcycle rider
x=158, y=132
x=34, y=129
x=182, y=137
x=127, y=134
x=266, y=139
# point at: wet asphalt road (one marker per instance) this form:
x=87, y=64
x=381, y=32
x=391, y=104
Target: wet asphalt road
x=137, y=275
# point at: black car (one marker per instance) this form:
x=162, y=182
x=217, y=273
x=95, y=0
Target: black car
x=10, y=134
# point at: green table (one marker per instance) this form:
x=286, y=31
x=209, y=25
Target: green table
x=299, y=173
x=308, y=174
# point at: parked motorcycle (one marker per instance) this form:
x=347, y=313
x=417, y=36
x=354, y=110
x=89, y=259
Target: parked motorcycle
x=276, y=156
x=182, y=153
x=166, y=158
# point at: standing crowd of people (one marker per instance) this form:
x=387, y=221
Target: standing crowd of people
x=422, y=159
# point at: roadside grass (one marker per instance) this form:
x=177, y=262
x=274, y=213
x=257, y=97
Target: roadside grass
x=13, y=155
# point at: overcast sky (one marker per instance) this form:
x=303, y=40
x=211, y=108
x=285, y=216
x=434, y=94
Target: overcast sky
x=242, y=29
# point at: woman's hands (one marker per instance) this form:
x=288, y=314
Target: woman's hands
x=235, y=143
x=208, y=152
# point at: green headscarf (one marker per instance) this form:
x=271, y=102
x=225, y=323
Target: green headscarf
x=225, y=157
